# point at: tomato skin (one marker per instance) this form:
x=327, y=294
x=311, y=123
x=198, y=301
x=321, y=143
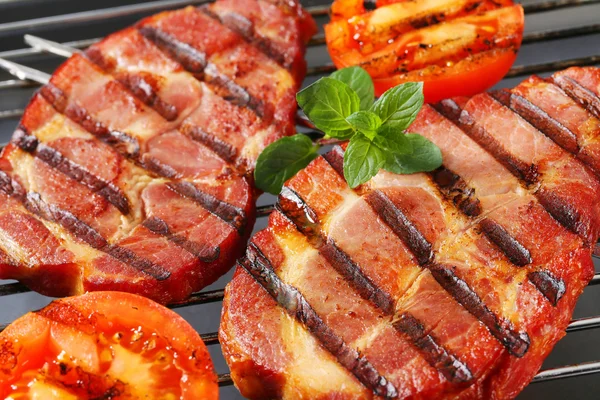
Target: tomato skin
x=474, y=64
x=475, y=77
x=74, y=327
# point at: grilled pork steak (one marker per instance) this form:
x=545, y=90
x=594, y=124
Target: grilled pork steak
x=130, y=169
x=451, y=284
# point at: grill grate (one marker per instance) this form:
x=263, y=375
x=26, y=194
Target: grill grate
x=215, y=296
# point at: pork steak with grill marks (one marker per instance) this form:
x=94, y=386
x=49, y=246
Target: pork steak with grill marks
x=131, y=170
x=450, y=284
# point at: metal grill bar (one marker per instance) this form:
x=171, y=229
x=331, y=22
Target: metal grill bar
x=551, y=66
x=568, y=371
x=519, y=70
x=556, y=5
x=196, y=298
x=114, y=12
x=319, y=39
x=528, y=38
x=536, y=37
x=95, y=15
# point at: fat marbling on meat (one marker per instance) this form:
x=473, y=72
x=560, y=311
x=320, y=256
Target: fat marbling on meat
x=132, y=169
x=450, y=284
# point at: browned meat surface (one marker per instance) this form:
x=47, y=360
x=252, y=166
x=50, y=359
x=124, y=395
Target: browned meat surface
x=450, y=284
x=131, y=169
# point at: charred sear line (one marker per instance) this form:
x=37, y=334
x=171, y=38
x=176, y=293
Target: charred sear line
x=401, y=226
x=370, y=5
x=456, y=189
x=516, y=343
x=191, y=59
x=526, y=172
x=124, y=143
x=515, y=251
x=234, y=216
x=141, y=84
x=34, y=203
x=157, y=167
x=197, y=64
x=288, y=297
x=539, y=119
x=306, y=221
x=223, y=149
x=580, y=94
x=564, y=213
x=550, y=286
x=335, y=158
x=56, y=160
x=202, y=252
x=235, y=94
x=82, y=384
x=451, y=367
x=244, y=27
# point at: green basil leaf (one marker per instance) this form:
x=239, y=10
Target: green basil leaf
x=283, y=159
x=327, y=103
x=359, y=80
x=425, y=156
x=365, y=122
x=393, y=140
x=362, y=160
x=398, y=107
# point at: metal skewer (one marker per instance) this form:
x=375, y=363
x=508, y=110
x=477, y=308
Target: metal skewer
x=49, y=46
x=24, y=73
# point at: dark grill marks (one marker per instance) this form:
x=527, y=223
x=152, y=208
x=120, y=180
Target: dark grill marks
x=401, y=226
x=550, y=286
x=457, y=190
x=223, y=149
x=143, y=86
x=539, y=119
x=202, y=252
x=197, y=64
x=544, y=123
x=564, y=213
x=335, y=158
x=304, y=218
x=56, y=160
x=121, y=141
x=245, y=28
x=288, y=297
x=452, y=368
x=561, y=211
x=526, y=172
x=225, y=211
x=124, y=143
x=191, y=59
x=515, y=251
x=580, y=94
x=516, y=343
x=370, y=5
x=34, y=203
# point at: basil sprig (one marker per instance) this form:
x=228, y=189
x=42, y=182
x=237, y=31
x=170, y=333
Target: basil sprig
x=343, y=107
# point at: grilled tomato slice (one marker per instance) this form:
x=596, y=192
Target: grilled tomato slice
x=104, y=345
x=456, y=47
